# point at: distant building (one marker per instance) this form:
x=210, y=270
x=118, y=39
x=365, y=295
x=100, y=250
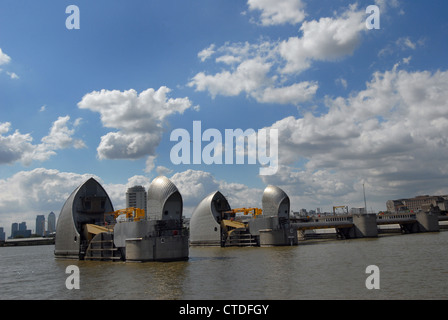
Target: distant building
x=14, y=229
x=20, y=230
x=136, y=198
x=22, y=226
x=419, y=203
x=2, y=234
x=40, y=225
x=51, y=223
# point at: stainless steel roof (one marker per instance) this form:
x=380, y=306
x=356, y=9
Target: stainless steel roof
x=74, y=215
x=205, y=220
x=275, y=201
x=159, y=192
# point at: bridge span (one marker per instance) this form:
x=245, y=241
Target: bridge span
x=366, y=225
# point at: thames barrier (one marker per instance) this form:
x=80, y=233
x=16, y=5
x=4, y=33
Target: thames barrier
x=89, y=228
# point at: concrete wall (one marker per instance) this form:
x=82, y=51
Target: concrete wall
x=157, y=249
x=428, y=222
x=365, y=226
x=278, y=237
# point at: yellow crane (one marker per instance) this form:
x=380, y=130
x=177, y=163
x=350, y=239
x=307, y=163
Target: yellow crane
x=254, y=211
x=136, y=214
x=337, y=207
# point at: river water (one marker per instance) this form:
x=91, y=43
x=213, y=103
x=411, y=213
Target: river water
x=410, y=267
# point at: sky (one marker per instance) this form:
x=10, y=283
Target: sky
x=354, y=106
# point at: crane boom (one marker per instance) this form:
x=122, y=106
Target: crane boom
x=136, y=214
x=246, y=211
x=337, y=207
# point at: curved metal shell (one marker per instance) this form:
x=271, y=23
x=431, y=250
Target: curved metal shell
x=86, y=205
x=275, y=202
x=205, y=221
x=164, y=200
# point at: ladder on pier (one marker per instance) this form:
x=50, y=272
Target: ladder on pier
x=102, y=248
x=241, y=238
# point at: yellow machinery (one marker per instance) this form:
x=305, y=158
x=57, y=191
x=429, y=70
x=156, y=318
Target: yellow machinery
x=338, y=207
x=230, y=225
x=136, y=214
x=254, y=211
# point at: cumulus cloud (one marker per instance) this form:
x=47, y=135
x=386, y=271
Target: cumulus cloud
x=391, y=136
x=327, y=39
x=267, y=71
x=4, y=58
x=19, y=147
x=253, y=77
x=138, y=117
x=277, y=12
x=295, y=93
x=248, y=76
x=206, y=53
x=12, y=75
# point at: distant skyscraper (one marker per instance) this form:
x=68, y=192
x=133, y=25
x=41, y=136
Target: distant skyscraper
x=2, y=234
x=14, y=229
x=136, y=198
x=51, y=222
x=20, y=230
x=22, y=226
x=40, y=225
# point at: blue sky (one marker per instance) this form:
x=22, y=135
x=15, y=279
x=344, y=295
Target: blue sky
x=353, y=106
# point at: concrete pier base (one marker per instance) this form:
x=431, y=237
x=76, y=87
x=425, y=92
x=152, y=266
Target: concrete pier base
x=364, y=226
x=428, y=222
x=170, y=248
x=278, y=237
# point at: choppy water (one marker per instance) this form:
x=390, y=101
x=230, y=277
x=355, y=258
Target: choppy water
x=411, y=267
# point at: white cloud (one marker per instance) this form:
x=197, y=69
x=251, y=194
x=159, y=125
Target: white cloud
x=61, y=136
x=163, y=171
x=150, y=163
x=4, y=58
x=12, y=75
x=14, y=146
x=328, y=39
x=206, y=53
x=342, y=82
x=296, y=93
x=384, y=5
x=252, y=77
x=401, y=44
x=247, y=77
x=18, y=147
x=277, y=12
x=267, y=71
x=139, y=119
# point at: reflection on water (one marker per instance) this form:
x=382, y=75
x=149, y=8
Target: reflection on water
x=412, y=267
